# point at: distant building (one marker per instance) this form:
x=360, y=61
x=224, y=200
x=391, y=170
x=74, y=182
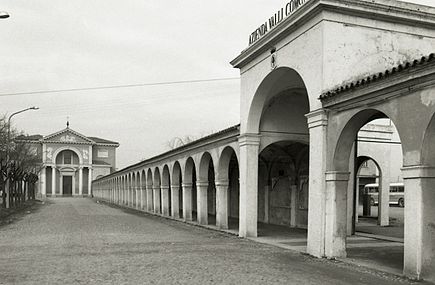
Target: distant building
x=70, y=161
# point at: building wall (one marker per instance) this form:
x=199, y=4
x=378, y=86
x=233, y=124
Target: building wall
x=106, y=154
x=100, y=171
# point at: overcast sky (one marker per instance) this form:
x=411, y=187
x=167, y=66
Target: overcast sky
x=59, y=44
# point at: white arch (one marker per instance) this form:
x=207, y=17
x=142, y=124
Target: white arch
x=59, y=150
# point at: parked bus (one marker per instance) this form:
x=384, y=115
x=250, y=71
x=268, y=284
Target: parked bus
x=397, y=192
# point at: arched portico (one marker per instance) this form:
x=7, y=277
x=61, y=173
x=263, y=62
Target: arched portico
x=150, y=191
x=157, y=191
x=189, y=189
x=206, y=191
x=227, y=188
x=276, y=115
x=177, y=198
x=166, y=191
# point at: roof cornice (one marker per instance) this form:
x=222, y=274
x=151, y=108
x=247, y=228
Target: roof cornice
x=229, y=133
x=88, y=140
x=397, y=81
x=383, y=10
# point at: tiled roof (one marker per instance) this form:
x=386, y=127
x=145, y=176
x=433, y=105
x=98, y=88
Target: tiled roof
x=377, y=77
x=180, y=148
x=29, y=138
x=103, y=141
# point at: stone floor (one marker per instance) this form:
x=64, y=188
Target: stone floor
x=78, y=241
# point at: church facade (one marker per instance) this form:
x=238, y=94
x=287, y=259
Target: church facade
x=70, y=161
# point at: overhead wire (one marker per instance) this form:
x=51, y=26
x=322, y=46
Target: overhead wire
x=164, y=83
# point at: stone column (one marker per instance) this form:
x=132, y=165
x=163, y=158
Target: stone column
x=81, y=181
x=44, y=182
x=336, y=214
x=266, y=203
x=53, y=181
x=187, y=201
x=201, y=208
x=149, y=198
x=419, y=248
x=293, y=205
x=317, y=123
x=136, y=198
x=175, y=201
x=157, y=199
x=222, y=204
x=350, y=192
x=165, y=200
x=249, y=148
x=384, y=192
x=90, y=182
x=142, y=197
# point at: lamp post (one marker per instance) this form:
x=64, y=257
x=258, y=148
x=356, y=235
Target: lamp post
x=4, y=15
x=7, y=188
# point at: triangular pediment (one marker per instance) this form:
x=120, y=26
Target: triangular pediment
x=67, y=136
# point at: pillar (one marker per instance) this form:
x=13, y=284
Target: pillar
x=317, y=124
x=157, y=199
x=44, y=182
x=137, y=198
x=90, y=182
x=248, y=210
x=201, y=208
x=187, y=201
x=149, y=198
x=53, y=181
x=80, y=181
x=336, y=214
x=350, y=193
x=384, y=192
x=175, y=201
x=143, y=200
x=419, y=248
x=222, y=204
x=165, y=200
x=266, y=203
x=293, y=205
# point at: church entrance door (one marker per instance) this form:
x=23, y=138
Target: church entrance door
x=67, y=185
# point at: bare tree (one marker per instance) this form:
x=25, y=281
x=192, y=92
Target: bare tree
x=18, y=169
x=178, y=142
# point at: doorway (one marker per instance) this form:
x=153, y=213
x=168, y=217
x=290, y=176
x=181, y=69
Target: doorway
x=67, y=185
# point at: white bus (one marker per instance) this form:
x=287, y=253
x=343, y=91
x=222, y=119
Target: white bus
x=397, y=192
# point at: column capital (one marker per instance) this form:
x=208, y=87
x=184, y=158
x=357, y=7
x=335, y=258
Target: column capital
x=317, y=118
x=202, y=184
x=249, y=139
x=418, y=171
x=337, y=176
x=156, y=187
x=164, y=187
x=222, y=183
x=187, y=185
x=175, y=186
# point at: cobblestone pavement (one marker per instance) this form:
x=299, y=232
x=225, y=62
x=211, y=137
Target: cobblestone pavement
x=78, y=241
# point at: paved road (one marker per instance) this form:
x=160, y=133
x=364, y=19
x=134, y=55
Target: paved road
x=77, y=241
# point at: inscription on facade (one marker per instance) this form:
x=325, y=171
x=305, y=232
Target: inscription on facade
x=67, y=138
x=276, y=19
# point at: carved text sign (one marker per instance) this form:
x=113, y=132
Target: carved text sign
x=279, y=16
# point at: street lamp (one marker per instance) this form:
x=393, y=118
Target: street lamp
x=9, y=128
x=4, y=15
x=8, y=149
